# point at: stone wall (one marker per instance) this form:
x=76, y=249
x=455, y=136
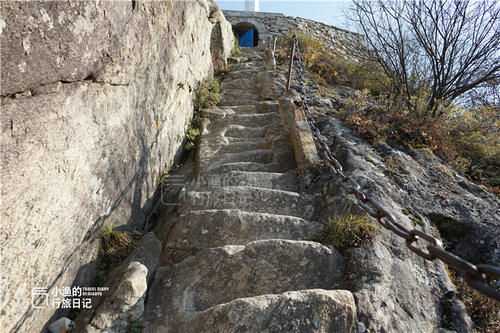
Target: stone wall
x=95, y=97
x=275, y=24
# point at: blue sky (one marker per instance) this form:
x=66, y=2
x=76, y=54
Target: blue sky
x=326, y=11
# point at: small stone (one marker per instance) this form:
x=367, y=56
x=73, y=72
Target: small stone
x=61, y=325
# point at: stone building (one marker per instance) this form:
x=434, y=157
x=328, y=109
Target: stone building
x=276, y=24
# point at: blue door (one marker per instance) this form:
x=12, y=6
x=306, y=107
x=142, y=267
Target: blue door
x=246, y=40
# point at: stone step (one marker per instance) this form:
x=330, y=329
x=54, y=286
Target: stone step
x=312, y=311
x=250, y=132
x=219, y=275
x=251, y=199
x=233, y=147
x=285, y=159
x=251, y=167
x=246, y=70
x=262, y=156
x=273, y=180
x=237, y=109
x=232, y=100
x=202, y=229
x=278, y=137
x=247, y=120
x=241, y=83
x=260, y=107
x=221, y=150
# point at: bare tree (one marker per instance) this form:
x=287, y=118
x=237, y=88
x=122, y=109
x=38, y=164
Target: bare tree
x=448, y=47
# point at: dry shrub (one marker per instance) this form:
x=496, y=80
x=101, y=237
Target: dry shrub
x=467, y=140
x=330, y=67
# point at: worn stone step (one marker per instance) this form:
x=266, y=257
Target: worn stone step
x=270, y=135
x=262, y=156
x=248, y=70
x=250, y=132
x=222, y=150
x=284, y=159
x=219, y=275
x=247, y=120
x=247, y=145
x=231, y=100
x=237, y=109
x=236, y=84
x=273, y=180
x=253, y=108
x=312, y=311
x=251, y=167
x=201, y=229
x=251, y=199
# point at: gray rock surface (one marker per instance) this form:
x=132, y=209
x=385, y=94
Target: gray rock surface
x=104, y=99
x=63, y=41
x=146, y=252
x=395, y=290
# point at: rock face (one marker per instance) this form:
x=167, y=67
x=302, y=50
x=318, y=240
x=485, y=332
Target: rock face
x=396, y=290
x=62, y=42
x=96, y=97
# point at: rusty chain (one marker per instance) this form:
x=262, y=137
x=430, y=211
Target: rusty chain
x=475, y=275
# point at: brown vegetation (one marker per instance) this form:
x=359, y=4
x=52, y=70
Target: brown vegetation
x=465, y=137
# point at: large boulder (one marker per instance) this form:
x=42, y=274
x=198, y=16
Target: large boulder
x=96, y=97
x=125, y=306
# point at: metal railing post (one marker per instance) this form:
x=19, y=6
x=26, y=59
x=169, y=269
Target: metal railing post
x=268, y=42
x=290, y=66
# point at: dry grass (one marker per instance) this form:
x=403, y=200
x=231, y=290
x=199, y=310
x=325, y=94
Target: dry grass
x=484, y=311
x=114, y=246
x=347, y=230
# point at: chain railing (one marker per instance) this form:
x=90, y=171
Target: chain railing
x=475, y=275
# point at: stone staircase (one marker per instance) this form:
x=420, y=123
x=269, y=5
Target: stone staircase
x=237, y=256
